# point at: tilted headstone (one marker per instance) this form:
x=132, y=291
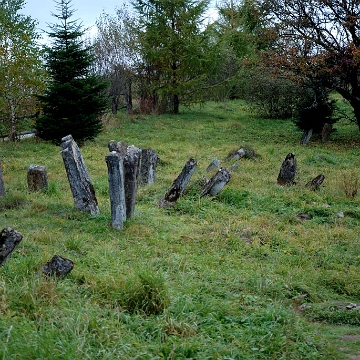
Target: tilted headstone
x=57, y=266
x=179, y=185
x=116, y=189
x=215, y=163
x=37, y=178
x=9, y=240
x=287, y=171
x=315, y=183
x=81, y=186
x=2, y=185
x=131, y=178
x=149, y=160
x=119, y=147
x=216, y=183
x=306, y=137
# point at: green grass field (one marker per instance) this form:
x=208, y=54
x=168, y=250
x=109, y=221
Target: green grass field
x=236, y=276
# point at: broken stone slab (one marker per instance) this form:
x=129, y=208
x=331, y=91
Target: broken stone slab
x=315, y=183
x=37, y=178
x=236, y=155
x=9, y=240
x=148, y=163
x=80, y=183
x=287, y=171
x=131, y=178
x=116, y=189
x=215, y=163
x=2, y=185
x=178, y=186
x=216, y=183
x=57, y=266
x=119, y=147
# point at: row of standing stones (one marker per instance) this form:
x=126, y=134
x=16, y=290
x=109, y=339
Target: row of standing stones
x=127, y=166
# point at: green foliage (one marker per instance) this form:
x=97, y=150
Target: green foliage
x=74, y=99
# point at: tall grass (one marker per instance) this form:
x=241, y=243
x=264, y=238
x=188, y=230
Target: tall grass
x=236, y=276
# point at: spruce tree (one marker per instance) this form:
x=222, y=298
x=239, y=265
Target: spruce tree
x=74, y=99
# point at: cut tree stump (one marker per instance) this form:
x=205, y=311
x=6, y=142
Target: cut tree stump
x=149, y=160
x=178, y=186
x=2, y=185
x=216, y=183
x=116, y=189
x=37, y=178
x=80, y=184
x=315, y=183
x=287, y=171
x=9, y=240
x=57, y=266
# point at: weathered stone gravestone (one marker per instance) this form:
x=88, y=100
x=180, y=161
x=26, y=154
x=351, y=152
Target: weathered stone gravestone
x=119, y=147
x=116, y=189
x=148, y=163
x=216, y=183
x=81, y=186
x=58, y=267
x=306, y=137
x=2, y=185
x=287, y=171
x=179, y=185
x=325, y=132
x=236, y=155
x=37, y=178
x=315, y=183
x=9, y=240
x=215, y=163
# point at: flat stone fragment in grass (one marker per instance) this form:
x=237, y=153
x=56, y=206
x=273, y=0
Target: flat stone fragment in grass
x=315, y=183
x=57, y=266
x=216, y=183
x=116, y=189
x=37, y=178
x=9, y=240
x=287, y=171
x=178, y=186
x=2, y=186
x=80, y=183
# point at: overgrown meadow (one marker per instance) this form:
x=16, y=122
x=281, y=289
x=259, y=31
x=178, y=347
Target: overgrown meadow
x=258, y=272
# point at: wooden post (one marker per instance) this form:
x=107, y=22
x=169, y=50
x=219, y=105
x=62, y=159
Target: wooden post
x=9, y=240
x=287, y=171
x=37, y=178
x=149, y=160
x=216, y=183
x=116, y=189
x=179, y=185
x=80, y=183
x=131, y=177
x=2, y=186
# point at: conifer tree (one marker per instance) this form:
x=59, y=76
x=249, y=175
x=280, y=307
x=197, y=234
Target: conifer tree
x=75, y=98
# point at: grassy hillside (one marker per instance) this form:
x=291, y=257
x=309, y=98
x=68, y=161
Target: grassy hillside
x=237, y=276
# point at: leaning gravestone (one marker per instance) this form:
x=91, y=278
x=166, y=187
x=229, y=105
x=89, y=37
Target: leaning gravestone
x=58, y=267
x=179, y=185
x=81, y=186
x=116, y=189
x=215, y=163
x=37, y=178
x=326, y=131
x=2, y=186
x=216, y=183
x=306, y=137
x=315, y=183
x=149, y=160
x=9, y=240
x=287, y=171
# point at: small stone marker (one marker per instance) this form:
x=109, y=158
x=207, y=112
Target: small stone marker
x=119, y=147
x=116, y=189
x=57, y=266
x=287, y=171
x=216, y=183
x=326, y=131
x=215, y=163
x=9, y=240
x=81, y=186
x=149, y=160
x=131, y=176
x=179, y=185
x=306, y=137
x=37, y=178
x=2, y=186
x=315, y=183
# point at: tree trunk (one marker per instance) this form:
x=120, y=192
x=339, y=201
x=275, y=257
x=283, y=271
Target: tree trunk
x=9, y=240
x=116, y=189
x=179, y=185
x=176, y=104
x=81, y=186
